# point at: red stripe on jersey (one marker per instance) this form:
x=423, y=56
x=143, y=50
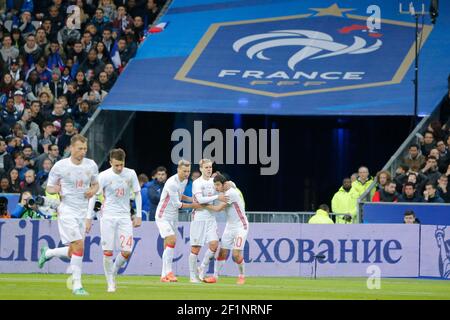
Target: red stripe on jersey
x=108, y=254
x=241, y=216
x=170, y=246
x=163, y=207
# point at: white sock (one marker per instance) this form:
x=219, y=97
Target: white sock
x=167, y=260
x=218, y=265
x=207, y=258
x=193, y=265
x=76, y=263
x=120, y=261
x=241, y=267
x=108, y=267
x=62, y=252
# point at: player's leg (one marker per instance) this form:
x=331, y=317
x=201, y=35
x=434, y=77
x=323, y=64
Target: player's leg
x=193, y=256
x=212, y=238
x=76, y=250
x=107, y=233
x=239, y=243
x=61, y=252
x=169, y=251
x=227, y=243
x=197, y=239
x=167, y=232
x=125, y=232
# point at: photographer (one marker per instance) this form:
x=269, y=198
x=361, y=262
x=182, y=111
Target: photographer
x=26, y=209
x=4, y=214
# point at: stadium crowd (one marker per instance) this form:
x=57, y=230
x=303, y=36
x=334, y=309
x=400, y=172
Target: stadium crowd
x=422, y=175
x=58, y=61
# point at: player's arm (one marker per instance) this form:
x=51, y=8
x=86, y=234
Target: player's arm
x=90, y=211
x=173, y=194
x=217, y=208
x=186, y=198
x=54, y=178
x=137, y=221
x=93, y=189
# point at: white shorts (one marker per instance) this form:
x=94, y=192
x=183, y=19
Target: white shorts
x=234, y=238
x=71, y=228
x=202, y=232
x=166, y=227
x=116, y=233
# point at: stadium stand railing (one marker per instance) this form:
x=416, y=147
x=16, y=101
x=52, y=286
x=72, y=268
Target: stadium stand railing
x=396, y=158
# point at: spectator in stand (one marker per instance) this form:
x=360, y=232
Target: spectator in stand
x=345, y=202
x=442, y=188
x=6, y=162
x=31, y=51
x=7, y=85
x=363, y=181
x=16, y=71
x=126, y=51
x=430, y=170
x=435, y=128
x=19, y=161
x=442, y=163
x=410, y=217
x=430, y=195
x=47, y=138
x=64, y=140
x=382, y=178
x=35, y=113
x=42, y=175
x=29, y=156
x=109, y=9
x=414, y=159
x=82, y=114
x=30, y=184
x=53, y=156
x=7, y=51
x=4, y=185
x=154, y=190
x=444, y=154
x=105, y=84
x=409, y=194
x=58, y=117
x=10, y=115
x=428, y=143
x=122, y=19
x=14, y=180
x=30, y=129
x=388, y=194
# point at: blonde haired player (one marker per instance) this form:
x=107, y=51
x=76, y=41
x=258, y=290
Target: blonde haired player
x=236, y=230
x=116, y=227
x=76, y=180
x=167, y=215
x=203, y=227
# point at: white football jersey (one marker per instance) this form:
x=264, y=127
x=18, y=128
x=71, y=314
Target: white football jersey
x=117, y=190
x=74, y=180
x=235, y=210
x=203, y=192
x=170, y=200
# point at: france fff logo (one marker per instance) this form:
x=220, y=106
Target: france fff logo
x=329, y=50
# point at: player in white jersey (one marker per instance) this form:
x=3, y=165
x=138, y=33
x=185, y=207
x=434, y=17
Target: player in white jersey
x=203, y=227
x=236, y=230
x=166, y=216
x=76, y=180
x=116, y=226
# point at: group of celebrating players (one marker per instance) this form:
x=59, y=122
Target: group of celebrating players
x=77, y=181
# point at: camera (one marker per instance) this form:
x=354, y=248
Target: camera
x=41, y=201
x=97, y=206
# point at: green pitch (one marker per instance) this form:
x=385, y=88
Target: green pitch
x=51, y=286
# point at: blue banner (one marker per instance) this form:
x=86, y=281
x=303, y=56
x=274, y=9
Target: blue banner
x=311, y=57
x=438, y=214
